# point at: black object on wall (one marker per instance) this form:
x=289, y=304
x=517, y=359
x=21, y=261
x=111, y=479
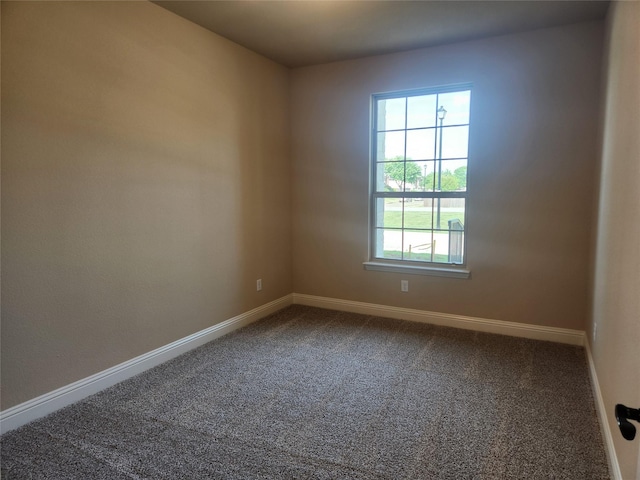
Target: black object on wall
x=623, y=415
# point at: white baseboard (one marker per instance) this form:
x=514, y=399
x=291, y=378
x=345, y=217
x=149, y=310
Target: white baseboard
x=607, y=436
x=26, y=412
x=536, y=332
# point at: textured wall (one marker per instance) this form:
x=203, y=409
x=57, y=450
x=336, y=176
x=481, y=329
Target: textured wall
x=145, y=186
x=532, y=160
x=616, y=299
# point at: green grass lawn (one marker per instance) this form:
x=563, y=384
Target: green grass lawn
x=419, y=219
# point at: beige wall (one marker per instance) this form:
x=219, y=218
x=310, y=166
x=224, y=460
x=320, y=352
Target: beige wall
x=533, y=152
x=616, y=299
x=145, y=186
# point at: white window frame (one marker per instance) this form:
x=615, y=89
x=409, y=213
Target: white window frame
x=454, y=270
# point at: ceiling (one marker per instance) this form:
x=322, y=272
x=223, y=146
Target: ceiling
x=298, y=33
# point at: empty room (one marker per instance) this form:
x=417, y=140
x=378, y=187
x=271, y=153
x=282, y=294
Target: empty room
x=320, y=239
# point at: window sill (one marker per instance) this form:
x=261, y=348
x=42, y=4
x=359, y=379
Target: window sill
x=451, y=272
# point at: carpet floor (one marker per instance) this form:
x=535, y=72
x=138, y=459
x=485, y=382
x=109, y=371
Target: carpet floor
x=318, y=394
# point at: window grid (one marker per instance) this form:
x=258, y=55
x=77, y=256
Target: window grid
x=443, y=209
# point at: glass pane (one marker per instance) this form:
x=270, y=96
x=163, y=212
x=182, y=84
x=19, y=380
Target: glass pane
x=457, y=106
x=456, y=246
x=418, y=213
x=391, y=114
x=412, y=177
x=388, y=243
x=454, y=175
x=417, y=245
x=421, y=111
x=390, y=177
x=421, y=144
x=449, y=246
x=447, y=210
x=426, y=181
x=438, y=214
x=381, y=185
x=390, y=146
x=389, y=212
x=455, y=142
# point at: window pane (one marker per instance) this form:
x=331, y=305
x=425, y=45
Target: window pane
x=412, y=177
x=455, y=246
x=390, y=177
x=426, y=181
x=457, y=106
x=418, y=213
x=448, y=210
x=421, y=111
x=454, y=175
x=449, y=245
x=380, y=178
x=390, y=146
x=391, y=114
x=417, y=246
x=389, y=212
x=455, y=142
x=388, y=243
x=421, y=144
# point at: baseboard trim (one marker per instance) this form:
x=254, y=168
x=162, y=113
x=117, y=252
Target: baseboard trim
x=607, y=435
x=38, y=407
x=536, y=332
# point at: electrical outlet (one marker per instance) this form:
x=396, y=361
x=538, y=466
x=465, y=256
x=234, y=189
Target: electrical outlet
x=404, y=285
x=259, y=284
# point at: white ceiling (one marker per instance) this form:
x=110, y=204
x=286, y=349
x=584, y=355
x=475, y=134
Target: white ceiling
x=298, y=33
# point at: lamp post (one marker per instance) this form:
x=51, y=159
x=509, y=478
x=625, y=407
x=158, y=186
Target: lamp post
x=424, y=179
x=441, y=114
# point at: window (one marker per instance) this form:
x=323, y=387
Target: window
x=420, y=144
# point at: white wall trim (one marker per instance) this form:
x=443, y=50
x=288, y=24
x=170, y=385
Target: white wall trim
x=607, y=436
x=536, y=332
x=26, y=412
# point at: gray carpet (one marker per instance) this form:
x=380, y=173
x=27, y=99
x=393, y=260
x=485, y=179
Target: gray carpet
x=311, y=393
